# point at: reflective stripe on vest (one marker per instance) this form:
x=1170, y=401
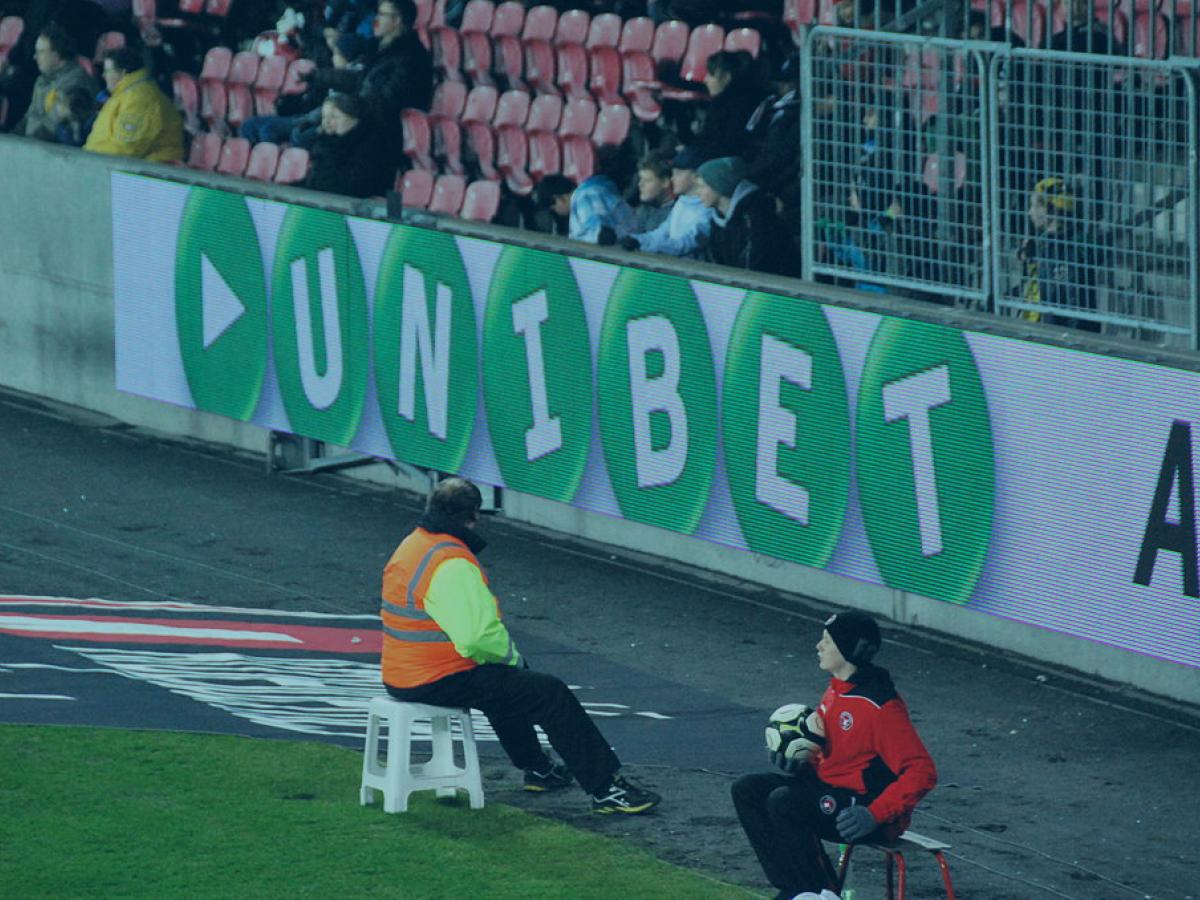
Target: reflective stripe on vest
x=420, y=570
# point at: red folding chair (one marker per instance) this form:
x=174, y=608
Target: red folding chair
x=482, y=201
x=293, y=166
x=612, y=125
x=416, y=188
x=604, y=64
x=545, y=113
x=508, y=56
x=512, y=109
x=605, y=31
x=578, y=158
x=272, y=72
x=417, y=138
x=637, y=35
x=537, y=38
x=448, y=193
x=578, y=117
x=446, y=47
x=476, y=45
x=205, y=152
x=572, y=27
x=235, y=155
x=264, y=160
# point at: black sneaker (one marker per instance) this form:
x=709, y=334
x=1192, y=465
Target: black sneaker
x=555, y=778
x=622, y=796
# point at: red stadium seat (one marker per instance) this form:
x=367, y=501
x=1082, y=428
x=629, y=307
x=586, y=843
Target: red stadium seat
x=476, y=45
x=512, y=158
x=214, y=104
x=605, y=78
x=670, y=42
x=512, y=109
x=272, y=72
x=571, y=61
x=578, y=158
x=239, y=104
x=417, y=140
x=216, y=64
x=293, y=166
x=448, y=193
x=447, y=145
x=218, y=7
x=637, y=35
x=191, y=7
x=424, y=14
x=264, y=159
x=1029, y=22
x=145, y=14
x=110, y=40
x=480, y=104
x=187, y=99
x=1150, y=36
x=705, y=40
x=747, y=39
x=235, y=154
x=545, y=155
x=482, y=201
x=605, y=31
x=537, y=38
x=478, y=137
x=446, y=47
x=572, y=27
x=545, y=113
x=508, y=56
x=205, y=152
x=416, y=188
x=243, y=68
x=11, y=29
x=612, y=125
x=297, y=71
x=578, y=117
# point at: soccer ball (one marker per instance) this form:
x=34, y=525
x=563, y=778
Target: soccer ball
x=788, y=733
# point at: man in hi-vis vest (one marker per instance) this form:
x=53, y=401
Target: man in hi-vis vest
x=444, y=644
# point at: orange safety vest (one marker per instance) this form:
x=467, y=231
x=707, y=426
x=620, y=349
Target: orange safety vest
x=415, y=650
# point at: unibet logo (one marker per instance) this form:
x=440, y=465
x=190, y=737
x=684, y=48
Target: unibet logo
x=425, y=349
x=319, y=324
x=220, y=304
x=926, y=471
x=537, y=373
x=786, y=429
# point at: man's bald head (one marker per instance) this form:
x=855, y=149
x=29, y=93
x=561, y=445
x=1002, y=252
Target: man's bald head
x=456, y=499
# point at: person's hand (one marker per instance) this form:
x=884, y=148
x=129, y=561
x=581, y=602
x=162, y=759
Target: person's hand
x=629, y=242
x=781, y=762
x=855, y=822
x=607, y=237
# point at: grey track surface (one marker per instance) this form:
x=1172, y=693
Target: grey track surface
x=1050, y=786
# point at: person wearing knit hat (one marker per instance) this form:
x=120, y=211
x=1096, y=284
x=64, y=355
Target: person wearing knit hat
x=862, y=783
x=1060, y=258
x=747, y=232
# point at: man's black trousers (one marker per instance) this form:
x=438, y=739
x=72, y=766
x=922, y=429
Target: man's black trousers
x=516, y=699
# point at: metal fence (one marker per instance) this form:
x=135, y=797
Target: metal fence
x=1054, y=186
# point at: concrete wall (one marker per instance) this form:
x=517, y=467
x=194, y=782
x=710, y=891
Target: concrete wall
x=56, y=342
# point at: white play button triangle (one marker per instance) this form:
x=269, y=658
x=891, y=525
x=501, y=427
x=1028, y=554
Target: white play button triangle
x=221, y=305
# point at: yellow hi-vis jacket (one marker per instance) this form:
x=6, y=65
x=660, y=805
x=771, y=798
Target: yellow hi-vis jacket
x=438, y=615
x=138, y=120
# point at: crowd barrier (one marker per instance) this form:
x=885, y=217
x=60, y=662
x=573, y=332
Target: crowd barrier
x=924, y=156
x=853, y=448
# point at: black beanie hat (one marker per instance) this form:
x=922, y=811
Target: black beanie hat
x=856, y=635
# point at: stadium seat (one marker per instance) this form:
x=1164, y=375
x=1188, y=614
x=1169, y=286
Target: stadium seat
x=416, y=188
x=578, y=117
x=545, y=113
x=670, y=43
x=508, y=57
x=482, y=201
x=293, y=166
x=637, y=35
x=448, y=193
x=476, y=44
x=909, y=842
x=219, y=8
x=545, y=154
x=512, y=158
x=1150, y=36
x=272, y=72
x=571, y=63
x=417, y=138
x=110, y=40
x=239, y=104
x=187, y=99
x=604, y=81
x=145, y=14
x=216, y=64
x=235, y=155
x=578, y=158
x=478, y=136
x=748, y=39
x=605, y=31
x=537, y=38
x=797, y=16
x=191, y=7
x=11, y=29
x=572, y=27
x=1028, y=22
x=704, y=41
x=213, y=98
x=512, y=109
x=205, y=152
x=264, y=159
x=921, y=81
x=612, y=125
x=446, y=47
x=297, y=71
x=931, y=172
x=637, y=65
x=243, y=68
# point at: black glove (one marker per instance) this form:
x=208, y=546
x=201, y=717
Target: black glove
x=781, y=762
x=607, y=237
x=855, y=822
x=629, y=242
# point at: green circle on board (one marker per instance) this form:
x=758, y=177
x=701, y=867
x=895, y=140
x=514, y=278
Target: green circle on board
x=786, y=429
x=926, y=467
x=220, y=304
x=657, y=400
x=537, y=373
x=425, y=349
x=319, y=325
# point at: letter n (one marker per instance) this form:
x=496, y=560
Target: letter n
x=1163, y=534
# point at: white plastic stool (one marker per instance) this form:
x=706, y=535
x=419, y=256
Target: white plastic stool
x=399, y=777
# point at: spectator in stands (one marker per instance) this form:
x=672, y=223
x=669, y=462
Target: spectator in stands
x=60, y=73
x=553, y=199
x=74, y=113
x=348, y=17
x=599, y=214
x=655, y=197
x=301, y=130
x=348, y=156
x=774, y=154
x=138, y=119
x=685, y=231
x=747, y=231
x=1060, y=258
x=736, y=94
x=1085, y=32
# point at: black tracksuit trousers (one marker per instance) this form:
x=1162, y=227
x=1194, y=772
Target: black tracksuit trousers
x=516, y=699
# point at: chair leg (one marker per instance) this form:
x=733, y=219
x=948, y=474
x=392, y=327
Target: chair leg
x=366, y=795
x=442, y=761
x=471, y=762
x=843, y=866
x=941, y=860
x=891, y=868
x=902, y=890
x=399, y=751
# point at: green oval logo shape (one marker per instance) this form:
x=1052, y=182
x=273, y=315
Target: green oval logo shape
x=537, y=374
x=319, y=325
x=786, y=429
x=926, y=467
x=657, y=400
x=221, y=304
x=425, y=349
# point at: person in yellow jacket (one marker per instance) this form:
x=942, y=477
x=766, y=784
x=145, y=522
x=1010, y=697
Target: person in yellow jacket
x=444, y=643
x=138, y=119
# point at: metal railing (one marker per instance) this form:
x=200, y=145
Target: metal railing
x=1058, y=187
